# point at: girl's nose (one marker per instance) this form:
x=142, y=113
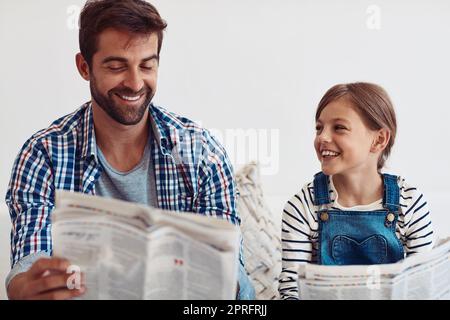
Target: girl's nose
x=324, y=136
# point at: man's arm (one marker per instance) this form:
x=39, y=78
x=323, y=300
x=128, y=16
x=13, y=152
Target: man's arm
x=30, y=199
x=217, y=197
x=46, y=280
x=217, y=193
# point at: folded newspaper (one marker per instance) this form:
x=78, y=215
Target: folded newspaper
x=130, y=251
x=422, y=276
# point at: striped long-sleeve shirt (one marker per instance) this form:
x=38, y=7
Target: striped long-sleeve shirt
x=300, y=229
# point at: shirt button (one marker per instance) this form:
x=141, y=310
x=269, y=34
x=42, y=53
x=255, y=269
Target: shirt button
x=91, y=179
x=324, y=216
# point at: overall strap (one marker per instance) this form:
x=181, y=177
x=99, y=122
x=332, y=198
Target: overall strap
x=391, y=198
x=321, y=192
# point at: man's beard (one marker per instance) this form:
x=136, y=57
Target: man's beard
x=125, y=115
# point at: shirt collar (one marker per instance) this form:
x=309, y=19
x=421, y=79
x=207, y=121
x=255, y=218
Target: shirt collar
x=166, y=128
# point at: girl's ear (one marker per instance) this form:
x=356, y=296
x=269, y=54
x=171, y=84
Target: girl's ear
x=381, y=140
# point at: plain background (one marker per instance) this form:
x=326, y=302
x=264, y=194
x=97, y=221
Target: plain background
x=251, y=66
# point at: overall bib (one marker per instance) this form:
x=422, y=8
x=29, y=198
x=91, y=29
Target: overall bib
x=358, y=237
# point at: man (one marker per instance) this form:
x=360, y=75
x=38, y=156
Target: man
x=119, y=145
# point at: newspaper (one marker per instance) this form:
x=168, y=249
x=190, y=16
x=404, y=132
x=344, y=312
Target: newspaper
x=424, y=276
x=130, y=251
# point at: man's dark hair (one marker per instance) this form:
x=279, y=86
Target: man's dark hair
x=135, y=16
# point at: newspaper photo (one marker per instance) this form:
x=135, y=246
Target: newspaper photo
x=130, y=251
x=424, y=276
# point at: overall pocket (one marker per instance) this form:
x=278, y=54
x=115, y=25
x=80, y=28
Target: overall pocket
x=348, y=251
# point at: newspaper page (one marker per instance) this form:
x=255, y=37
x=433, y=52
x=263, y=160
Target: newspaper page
x=184, y=268
x=421, y=276
x=129, y=251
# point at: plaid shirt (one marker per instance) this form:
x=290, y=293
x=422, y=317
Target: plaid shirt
x=192, y=171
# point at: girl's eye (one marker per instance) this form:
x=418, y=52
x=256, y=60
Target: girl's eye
x=340, y=128
x=318, y=128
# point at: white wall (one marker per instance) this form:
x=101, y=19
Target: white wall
x=258, y=65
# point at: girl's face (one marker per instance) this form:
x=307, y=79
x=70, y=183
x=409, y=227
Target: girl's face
x=343, y=143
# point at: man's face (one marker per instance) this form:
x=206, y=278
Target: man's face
x=124, y=74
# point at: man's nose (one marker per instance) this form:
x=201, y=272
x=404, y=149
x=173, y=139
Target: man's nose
x=134, y=80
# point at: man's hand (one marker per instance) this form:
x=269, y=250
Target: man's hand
x=46, y=280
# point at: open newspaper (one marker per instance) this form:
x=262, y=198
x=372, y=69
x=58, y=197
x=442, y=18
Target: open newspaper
x=420, y=276
x=130, y=251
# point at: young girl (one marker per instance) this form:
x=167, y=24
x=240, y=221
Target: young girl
x=352, y=213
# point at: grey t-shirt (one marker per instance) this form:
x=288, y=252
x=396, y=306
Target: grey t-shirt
x=137, y=185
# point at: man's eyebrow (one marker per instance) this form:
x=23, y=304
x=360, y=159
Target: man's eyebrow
x=155, y=56
x=120, y=59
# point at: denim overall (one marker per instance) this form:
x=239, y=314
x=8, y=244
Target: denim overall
x=358, y=237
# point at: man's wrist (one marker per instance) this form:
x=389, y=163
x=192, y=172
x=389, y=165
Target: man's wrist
x=23, y=265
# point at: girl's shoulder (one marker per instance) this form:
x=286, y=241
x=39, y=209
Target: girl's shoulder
x=306, y=189
x=304, y=198
x=406, y=186
x=409, y=192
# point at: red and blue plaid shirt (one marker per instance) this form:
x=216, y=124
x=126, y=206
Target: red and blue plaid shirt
x=192, y=172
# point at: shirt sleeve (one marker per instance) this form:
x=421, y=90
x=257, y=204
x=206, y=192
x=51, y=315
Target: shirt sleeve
x=217, y=194
x=24, y=264
x=296, y=240
x=30, y=199
x=415, y=220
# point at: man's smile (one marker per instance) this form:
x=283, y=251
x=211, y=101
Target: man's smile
x=130, y=98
